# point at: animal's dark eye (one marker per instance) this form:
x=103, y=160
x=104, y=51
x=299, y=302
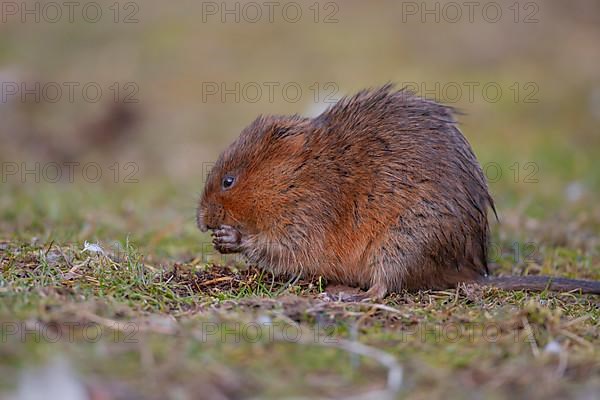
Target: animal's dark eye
x=228, y=182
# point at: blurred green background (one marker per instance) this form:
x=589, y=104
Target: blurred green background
x=147, y=94
x=180, y=79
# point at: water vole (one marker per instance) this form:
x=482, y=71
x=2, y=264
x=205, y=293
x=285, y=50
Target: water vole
x=381, y=191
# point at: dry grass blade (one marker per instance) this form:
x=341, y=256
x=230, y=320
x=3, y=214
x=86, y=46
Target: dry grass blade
x=394, y=369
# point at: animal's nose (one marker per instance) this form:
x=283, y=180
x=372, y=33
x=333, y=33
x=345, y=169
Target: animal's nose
x=210, y=216
x=201, y=221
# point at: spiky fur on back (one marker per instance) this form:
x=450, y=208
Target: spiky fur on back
x=380, y=189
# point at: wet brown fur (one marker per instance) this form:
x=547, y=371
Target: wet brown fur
x=381, y=191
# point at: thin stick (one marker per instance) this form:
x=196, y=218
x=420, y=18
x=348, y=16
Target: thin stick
x=395, y=371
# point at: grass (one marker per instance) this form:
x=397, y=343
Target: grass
x=140, y=318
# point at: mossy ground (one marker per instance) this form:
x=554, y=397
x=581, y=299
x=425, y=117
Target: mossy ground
x=147, y=319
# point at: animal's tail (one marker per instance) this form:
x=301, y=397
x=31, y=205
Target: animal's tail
x=541, y=283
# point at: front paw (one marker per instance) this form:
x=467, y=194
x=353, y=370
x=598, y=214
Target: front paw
x=227, y=239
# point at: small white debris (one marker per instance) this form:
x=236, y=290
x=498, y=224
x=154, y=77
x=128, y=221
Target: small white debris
x=575, y=191
x=93, y=248
x=316, y=109
x=56, y=380
x=264, y=320
x=553, y=347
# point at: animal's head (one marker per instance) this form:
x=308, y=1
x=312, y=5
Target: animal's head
x=255, y=177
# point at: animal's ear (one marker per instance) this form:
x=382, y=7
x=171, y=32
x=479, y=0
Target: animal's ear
x=290, y=137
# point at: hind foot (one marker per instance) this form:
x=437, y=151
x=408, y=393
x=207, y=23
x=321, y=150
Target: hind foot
x=375, y=293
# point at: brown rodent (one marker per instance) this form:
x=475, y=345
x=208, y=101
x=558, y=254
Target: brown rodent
x=381, y=191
